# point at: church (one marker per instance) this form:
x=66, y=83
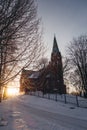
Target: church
x=49, y=79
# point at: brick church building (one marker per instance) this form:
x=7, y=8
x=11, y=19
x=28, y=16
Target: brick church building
x=49, y=79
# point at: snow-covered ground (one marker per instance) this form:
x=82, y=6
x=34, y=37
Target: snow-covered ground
x=68, y=98
x=55, y=107
x=27, y=112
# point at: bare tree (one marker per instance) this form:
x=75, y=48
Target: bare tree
x=66, y=67
x=41, y=63
x=77, y=51
x=66, y=71
x=20, y=37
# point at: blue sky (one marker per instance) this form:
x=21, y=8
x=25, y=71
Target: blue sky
x=64, y=18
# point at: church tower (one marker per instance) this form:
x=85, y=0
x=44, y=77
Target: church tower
x=55, y=55
x=56, y=65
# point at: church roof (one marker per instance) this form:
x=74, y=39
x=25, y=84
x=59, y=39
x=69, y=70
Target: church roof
x=34, y=75
x=55, y=46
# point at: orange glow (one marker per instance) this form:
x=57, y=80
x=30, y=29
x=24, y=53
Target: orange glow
x=12, y=91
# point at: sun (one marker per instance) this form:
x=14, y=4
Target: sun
x=12, y=91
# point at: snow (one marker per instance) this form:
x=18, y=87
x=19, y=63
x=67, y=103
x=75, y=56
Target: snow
x=35, y=75
x=56, y=107
x=19, y=119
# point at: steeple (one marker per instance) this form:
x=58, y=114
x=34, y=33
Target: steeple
x=55, y=46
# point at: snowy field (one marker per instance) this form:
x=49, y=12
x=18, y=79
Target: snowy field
x=69, y=99
x=56, y=107
x=27, y=112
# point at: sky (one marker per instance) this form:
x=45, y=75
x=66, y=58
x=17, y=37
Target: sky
x=64, y=18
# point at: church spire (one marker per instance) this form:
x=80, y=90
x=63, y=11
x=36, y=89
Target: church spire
x=55, y=46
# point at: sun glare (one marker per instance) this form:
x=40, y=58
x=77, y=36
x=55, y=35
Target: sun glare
x=12, y=91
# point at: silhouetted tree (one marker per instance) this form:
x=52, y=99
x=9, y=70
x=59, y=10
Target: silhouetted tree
x=77, y=51
x=20, y=37
x=41, y=63
x=66, y=67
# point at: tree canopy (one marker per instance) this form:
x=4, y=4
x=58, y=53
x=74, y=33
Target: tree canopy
x=20, y=37
x=77, y=52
